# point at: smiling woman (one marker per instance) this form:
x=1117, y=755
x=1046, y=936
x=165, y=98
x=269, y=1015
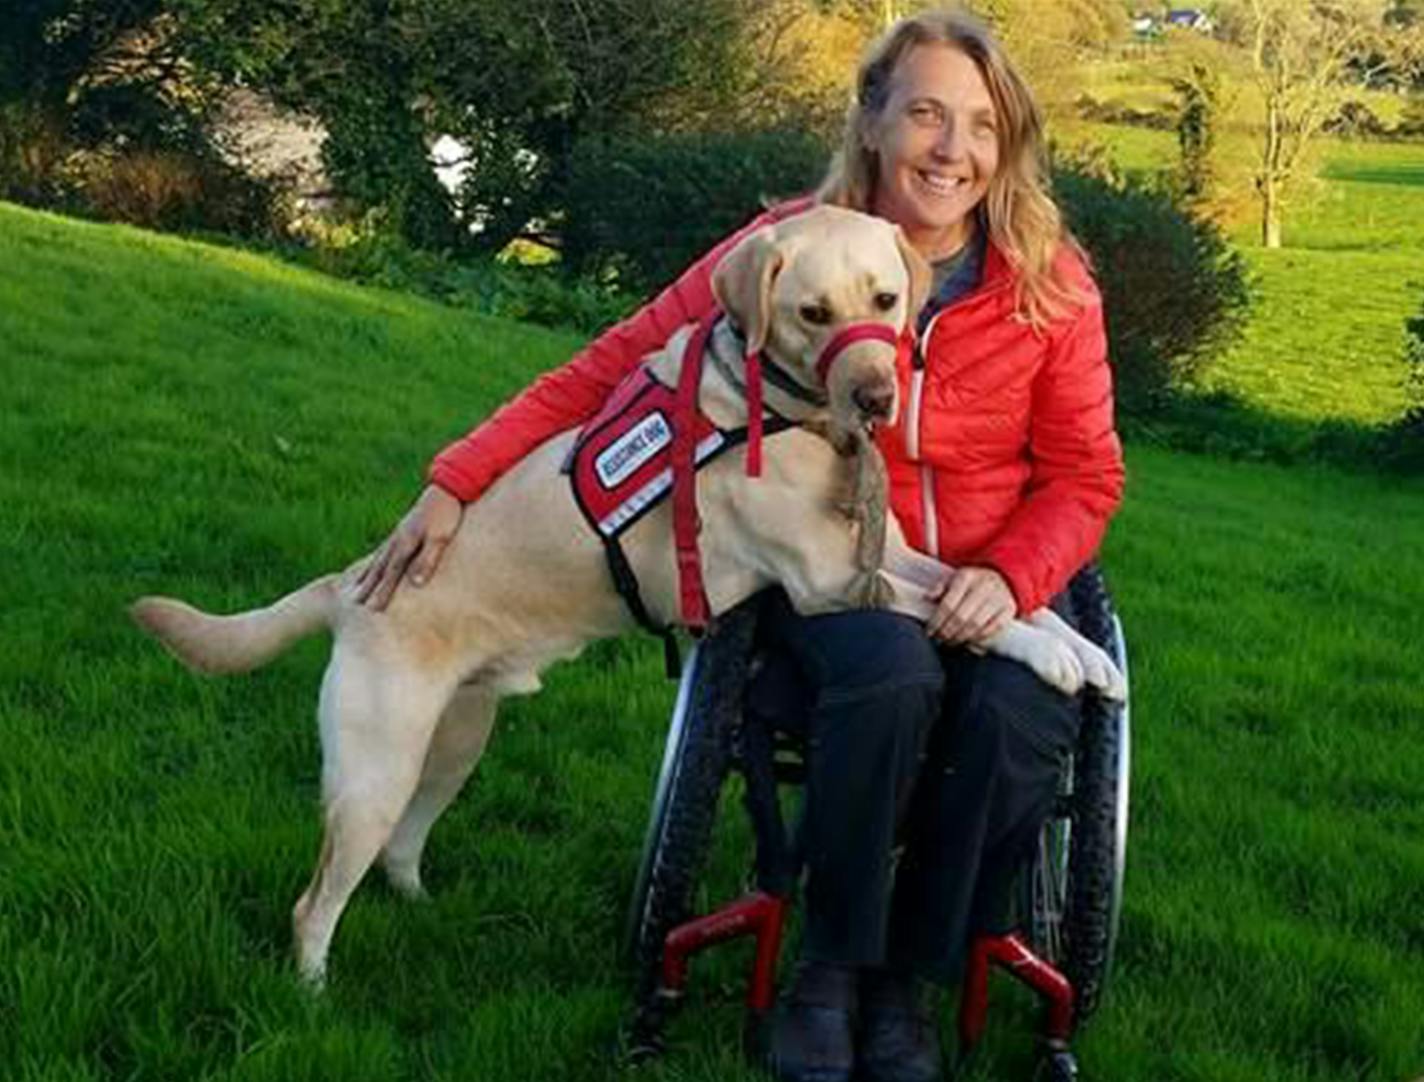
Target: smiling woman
x=937, y=143
x=1004, y=462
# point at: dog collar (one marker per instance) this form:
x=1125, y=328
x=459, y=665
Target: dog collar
x=771, y=371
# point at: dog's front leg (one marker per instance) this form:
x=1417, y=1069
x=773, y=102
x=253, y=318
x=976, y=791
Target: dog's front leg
x=1099, y=670
x=914, y=578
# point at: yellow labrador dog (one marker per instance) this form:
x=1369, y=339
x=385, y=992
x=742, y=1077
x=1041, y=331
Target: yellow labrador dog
x=409, y=694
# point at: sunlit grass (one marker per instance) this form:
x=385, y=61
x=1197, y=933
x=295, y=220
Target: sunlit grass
x=182, y=420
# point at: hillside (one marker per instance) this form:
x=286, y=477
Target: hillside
x=198, y=420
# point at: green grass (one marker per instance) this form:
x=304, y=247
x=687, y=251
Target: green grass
x=188, y=419
x=1325, y=337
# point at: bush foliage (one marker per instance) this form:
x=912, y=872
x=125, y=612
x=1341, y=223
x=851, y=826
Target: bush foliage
x=640, y=209
x=176, y=191
x=1405, y=444
x=371, y=251
x=1174, y=291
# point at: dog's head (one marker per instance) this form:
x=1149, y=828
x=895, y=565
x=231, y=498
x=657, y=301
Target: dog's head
x=795, y=289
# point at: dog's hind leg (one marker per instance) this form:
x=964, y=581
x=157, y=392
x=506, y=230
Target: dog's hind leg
x=454, y=751
x=377, y=716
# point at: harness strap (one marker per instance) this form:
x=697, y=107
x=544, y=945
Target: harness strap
x=686, y=523
x=626, y=583
x=754, y=407
x=684, y=456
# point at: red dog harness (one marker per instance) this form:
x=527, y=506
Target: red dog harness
x=649, y=440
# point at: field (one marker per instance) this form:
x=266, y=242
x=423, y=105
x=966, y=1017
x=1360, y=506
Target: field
x=1326, y=336
x=196, y=420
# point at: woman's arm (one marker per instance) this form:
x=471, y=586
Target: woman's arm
x=556, y=401
x=1078, y=473
x=573, y=393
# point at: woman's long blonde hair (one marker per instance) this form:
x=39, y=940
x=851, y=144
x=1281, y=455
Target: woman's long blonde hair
x=1024, y=222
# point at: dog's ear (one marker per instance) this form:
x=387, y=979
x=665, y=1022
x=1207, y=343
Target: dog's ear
x=742, y=283
x=921, y=276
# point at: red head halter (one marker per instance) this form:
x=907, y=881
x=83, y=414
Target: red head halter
x=842, y=340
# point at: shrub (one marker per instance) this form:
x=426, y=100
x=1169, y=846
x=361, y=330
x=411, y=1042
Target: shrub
x=1411, y=118
x=175, y=190
x=1106, y=112
x=1174, y=292
x=1355, y=120
x=1405, y=443
x=32, y=154
x=371, y=250
x=641, y=208
x=1198, y=93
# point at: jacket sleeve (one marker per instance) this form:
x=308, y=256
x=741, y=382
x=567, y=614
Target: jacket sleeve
x=1077, y=473
x=572, y=393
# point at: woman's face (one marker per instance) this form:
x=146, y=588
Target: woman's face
x=937, y=141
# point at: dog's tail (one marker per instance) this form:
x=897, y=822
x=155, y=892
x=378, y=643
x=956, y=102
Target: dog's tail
x=246, y=640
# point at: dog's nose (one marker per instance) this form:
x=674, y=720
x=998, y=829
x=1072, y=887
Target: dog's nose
x=874, y=401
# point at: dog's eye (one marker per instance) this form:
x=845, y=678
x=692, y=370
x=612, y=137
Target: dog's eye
x=885, y=301
x=818, y=314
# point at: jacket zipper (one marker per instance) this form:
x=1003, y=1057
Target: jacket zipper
x=912, y=422
x=912, y=440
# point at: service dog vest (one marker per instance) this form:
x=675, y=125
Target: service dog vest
x=621, y=466
x=647, y=442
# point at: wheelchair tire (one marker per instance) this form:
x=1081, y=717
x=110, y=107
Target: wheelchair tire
x=1073, y=892
x=696, y=760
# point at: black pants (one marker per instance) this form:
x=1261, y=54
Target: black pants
x=955, y=754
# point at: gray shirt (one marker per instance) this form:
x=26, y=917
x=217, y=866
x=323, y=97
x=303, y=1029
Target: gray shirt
x=956, y=276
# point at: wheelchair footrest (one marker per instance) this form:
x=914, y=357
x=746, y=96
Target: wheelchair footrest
x=760, y=914
x=1010, y=953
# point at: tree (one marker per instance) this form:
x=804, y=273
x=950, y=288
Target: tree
x=1048, y=42
x=1405, y=13
x=1302, y=53
x=516, y=82
x=1198, y=115
x=84, y=82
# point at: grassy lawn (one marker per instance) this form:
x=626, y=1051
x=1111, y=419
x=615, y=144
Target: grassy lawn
x=194, y=420
x=1325, y=339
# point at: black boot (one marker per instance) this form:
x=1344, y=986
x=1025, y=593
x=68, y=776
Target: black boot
x=813, y=1031
x=899, y=1029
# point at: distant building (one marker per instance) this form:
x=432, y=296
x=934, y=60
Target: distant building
x=1190, y=19
x=1146, y=26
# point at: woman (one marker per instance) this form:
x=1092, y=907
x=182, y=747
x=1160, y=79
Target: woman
x=1004, y=463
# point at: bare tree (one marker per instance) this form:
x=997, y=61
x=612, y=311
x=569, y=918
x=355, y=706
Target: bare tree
x=1303, y=53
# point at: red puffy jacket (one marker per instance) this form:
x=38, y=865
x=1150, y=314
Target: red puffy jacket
x=1004, y=454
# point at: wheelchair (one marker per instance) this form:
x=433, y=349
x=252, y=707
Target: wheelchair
x=1068, y=899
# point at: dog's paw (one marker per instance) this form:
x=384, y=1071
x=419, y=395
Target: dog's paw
x=1056, y=665
x=312, y=975
x=1099, y=671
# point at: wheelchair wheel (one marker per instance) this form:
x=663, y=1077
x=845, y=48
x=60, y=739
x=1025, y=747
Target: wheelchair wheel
x=1073, y=892
x=696, y=760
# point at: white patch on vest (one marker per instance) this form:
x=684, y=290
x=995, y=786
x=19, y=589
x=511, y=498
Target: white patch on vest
x=621, y=458
x=656, y=487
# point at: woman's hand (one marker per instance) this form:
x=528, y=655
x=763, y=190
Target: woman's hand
x=974, y=604
x=414, y=548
